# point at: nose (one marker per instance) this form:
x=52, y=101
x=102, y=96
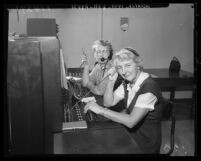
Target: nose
x=123, y=70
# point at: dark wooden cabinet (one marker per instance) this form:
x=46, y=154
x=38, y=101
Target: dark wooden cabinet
x=34, y=94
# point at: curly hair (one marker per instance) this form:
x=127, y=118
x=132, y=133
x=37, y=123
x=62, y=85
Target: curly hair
x=127, y=54
x=103, y=43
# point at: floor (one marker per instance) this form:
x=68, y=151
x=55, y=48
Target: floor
x=184, y=131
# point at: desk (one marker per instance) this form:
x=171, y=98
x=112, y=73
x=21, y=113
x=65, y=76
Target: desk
x=172, y=82
x=99, y=138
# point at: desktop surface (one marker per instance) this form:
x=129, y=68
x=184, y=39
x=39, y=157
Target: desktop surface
x=98, y=138
x=169, y=81
x=164, y=73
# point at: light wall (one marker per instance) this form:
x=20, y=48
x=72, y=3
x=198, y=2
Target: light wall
x=157, y=34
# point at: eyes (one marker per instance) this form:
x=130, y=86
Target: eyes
x=101, y=51
x=126, y=66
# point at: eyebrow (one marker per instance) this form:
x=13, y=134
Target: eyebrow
x=128, y=64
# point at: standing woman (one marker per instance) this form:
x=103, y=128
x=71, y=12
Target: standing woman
x=142, y=95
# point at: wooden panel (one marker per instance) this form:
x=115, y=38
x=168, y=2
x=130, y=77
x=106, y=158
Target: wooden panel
x=25, y=97
x=34, y=94
x=51, y=76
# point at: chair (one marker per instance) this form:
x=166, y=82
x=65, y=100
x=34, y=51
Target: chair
x=74, y=72
x=169, y=115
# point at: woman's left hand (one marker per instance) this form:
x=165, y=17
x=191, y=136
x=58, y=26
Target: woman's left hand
x=93, y=106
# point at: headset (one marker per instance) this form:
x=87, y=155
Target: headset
x=132, y=51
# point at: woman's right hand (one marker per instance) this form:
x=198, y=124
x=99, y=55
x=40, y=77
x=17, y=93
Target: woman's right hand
x=112, y=74
x=85, y=61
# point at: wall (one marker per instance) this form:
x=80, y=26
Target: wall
x=157, y=34
x=79, y=28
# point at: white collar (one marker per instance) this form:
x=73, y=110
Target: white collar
x=138, y=82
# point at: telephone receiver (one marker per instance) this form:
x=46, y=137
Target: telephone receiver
x=83, y=52
x=119, y=76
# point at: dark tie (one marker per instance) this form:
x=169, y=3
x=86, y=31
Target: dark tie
x=126, y=93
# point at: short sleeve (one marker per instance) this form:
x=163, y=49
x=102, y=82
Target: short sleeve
x=146, y=100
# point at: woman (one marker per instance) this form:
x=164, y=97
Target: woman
x=96, y=81
x=143, y=108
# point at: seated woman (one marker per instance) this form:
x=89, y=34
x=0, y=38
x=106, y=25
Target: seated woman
x=142, y=95
x=96, y=80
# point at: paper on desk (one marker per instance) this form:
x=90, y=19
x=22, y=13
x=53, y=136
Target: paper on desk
x=88, y=99
x=74, y=125
x=75, y=78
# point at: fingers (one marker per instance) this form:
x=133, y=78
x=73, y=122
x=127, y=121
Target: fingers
x=87, y=107
x=113, y=77
x=85, y=61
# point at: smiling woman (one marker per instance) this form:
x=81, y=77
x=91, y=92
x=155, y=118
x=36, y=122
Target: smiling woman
x=127, y=54
x=96, y=80
x=123, y=61
x=143, y=108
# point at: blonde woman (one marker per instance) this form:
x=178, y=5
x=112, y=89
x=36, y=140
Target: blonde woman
x=142, y=114
x=103, y=52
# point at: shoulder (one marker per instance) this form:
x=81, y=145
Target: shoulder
x=150, y=85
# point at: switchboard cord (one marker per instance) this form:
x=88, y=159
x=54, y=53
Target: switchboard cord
x=79, y=96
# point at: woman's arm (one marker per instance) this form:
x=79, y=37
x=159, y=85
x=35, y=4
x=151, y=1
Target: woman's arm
x=129, y=120
x=144, y=104
x=85, y=75
x=109, y=97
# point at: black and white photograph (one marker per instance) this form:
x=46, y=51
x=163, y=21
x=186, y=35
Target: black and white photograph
x=90, y=80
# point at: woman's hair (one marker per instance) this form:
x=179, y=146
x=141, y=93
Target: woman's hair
x=103, y=43
x=127, y=54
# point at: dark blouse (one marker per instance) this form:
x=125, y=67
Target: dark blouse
x=147, y=133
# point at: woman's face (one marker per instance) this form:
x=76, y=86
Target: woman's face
x=101, y=54
x=128, y=69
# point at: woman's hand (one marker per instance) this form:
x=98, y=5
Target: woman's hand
x=85, y=61
x=93, y=106
x=112, y=74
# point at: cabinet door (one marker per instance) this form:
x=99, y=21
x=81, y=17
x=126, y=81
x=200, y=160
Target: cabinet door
x=51, y=75
x=24, y=86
